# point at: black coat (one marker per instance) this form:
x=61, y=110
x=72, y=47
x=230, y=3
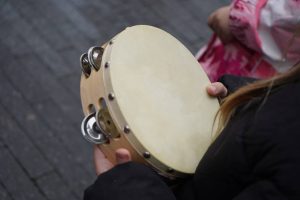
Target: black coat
x=257, y=156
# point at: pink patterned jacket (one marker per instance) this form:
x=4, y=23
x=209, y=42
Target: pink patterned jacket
x=268, y=40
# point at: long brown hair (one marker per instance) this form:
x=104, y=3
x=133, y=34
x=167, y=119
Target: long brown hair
x=247, y=93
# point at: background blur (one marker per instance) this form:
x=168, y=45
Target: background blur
x=42, y=153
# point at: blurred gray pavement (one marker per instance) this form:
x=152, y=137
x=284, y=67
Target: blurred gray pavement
x=42, y=153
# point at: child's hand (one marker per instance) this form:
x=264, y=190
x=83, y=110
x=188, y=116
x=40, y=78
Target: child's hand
x=218, y=21
x=102, y=164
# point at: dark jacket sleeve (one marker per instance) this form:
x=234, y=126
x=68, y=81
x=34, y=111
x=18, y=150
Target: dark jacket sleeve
x=263, y=189
x=130, y=181
x=232, y=83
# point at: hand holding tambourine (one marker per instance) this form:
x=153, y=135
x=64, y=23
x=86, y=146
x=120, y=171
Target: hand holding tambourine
x=145, y=92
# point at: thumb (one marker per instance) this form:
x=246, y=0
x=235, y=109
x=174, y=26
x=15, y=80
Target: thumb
x=122, y=156
x=217, y=89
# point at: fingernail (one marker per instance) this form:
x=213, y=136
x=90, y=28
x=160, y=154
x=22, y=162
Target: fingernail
x=123, y=156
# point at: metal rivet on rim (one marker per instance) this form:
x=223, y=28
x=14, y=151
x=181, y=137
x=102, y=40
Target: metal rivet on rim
x=170, y=170
x=146, y=154
x=111, y=96
x=106, y=65
x=111, y=42
x=126, y=129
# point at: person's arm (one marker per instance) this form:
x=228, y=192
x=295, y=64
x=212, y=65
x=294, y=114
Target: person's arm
x=240, y=21
x=271, y=146
x=244, y=20
x=218, y=21
x=130, y=181
x=263, y=189
x=125, y=179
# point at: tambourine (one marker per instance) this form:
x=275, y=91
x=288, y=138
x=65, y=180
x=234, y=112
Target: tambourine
x=144, y=91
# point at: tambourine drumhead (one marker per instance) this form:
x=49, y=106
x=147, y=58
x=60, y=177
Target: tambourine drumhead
x=158, y=91
x=159, y=88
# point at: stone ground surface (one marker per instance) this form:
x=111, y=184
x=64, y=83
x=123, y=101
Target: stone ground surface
x=42, y=153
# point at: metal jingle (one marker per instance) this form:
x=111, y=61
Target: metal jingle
x=94, y=57
x=147, y=155
x=91, y=132
x=85, y=65
x=106, y=124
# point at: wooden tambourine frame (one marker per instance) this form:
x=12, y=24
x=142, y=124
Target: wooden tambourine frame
x=98, y=93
